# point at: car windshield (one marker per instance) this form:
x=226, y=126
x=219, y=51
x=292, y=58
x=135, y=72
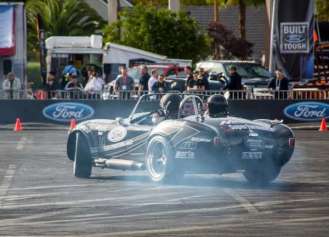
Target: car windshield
x=146, y=104
x=249, y=70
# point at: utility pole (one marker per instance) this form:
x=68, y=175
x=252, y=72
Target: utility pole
x=216, y=15
x=267, y=32
x=174, y=5
x=112, y=9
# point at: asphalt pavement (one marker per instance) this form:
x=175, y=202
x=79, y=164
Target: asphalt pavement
x=40, y=197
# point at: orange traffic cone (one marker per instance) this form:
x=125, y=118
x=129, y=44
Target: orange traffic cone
x=18, y=126
x=323, y=126
x=73, y=123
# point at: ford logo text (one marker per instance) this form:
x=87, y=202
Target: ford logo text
x=64, y=112
x=307, y=111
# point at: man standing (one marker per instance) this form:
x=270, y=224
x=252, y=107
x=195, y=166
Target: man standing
x=94, y=85
x=235, y=83
x=280, y=84
x=124, y=84
x=152, y=80
x=144, y=79
x=190, y=82
x=160, y=86
x=12, y=86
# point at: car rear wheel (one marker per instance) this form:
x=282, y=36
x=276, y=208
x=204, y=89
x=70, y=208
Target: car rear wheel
x=160, y=163
x=82, y=165
x=262, y=174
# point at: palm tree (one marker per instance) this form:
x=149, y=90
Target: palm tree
x=60, y=17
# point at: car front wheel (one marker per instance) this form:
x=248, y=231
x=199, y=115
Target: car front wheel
x=82, y=164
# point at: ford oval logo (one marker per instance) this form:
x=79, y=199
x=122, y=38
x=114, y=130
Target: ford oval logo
x=307, y=111
x=64, y=112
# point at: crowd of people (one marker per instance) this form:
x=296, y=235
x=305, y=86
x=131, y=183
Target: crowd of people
x=73, y=86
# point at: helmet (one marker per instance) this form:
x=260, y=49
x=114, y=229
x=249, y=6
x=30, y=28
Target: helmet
x=170, y=105
x=217, y=106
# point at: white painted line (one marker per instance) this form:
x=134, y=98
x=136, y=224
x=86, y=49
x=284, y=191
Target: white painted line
x=7, y=179
x=243, y=201
x=21, y=143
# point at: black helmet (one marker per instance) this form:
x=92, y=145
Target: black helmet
x=170, y=105
x=217, y=106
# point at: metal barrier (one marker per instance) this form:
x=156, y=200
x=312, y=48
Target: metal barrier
x=255, y=94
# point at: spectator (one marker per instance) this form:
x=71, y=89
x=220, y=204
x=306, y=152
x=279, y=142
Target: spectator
x=190, y=82
x=205, y=77
x=144, y=79
x=74, y=87
x=70, y=69
x=235, y=83
x=94, y=85
x=12, y=86
x=280, y=84
x=152, y=80
x=51, y=85
x=124, y=83
x=160, y=86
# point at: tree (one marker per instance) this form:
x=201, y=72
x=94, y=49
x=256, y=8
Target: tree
x=60, y=17
x=160, y=31
x=322, y=10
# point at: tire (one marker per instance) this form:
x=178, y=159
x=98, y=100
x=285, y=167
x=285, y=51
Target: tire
x=82, y=164
x=262, y=174
x=160, y=163
x=70, y=147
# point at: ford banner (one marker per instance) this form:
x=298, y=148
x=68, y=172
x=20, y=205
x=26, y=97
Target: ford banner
x=65, y=111
x=292, y=38
x=307, y=111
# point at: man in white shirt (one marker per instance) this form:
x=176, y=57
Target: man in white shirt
x=12, y=86
x=95, y=84
x=153, y=79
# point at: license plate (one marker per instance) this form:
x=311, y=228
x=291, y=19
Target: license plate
x=184, y=155
x=252, y=155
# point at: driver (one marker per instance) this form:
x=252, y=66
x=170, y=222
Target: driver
x=217, y=106
x=169, y=104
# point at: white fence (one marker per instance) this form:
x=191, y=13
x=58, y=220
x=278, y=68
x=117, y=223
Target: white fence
x=256, y=94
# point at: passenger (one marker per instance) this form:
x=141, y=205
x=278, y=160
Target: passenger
x=217, y=106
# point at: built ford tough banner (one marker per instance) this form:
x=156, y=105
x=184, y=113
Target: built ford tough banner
x=292, y=38
x=7, y=30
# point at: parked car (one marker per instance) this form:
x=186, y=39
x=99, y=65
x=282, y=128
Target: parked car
x=189, y=142
x=253, y=74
